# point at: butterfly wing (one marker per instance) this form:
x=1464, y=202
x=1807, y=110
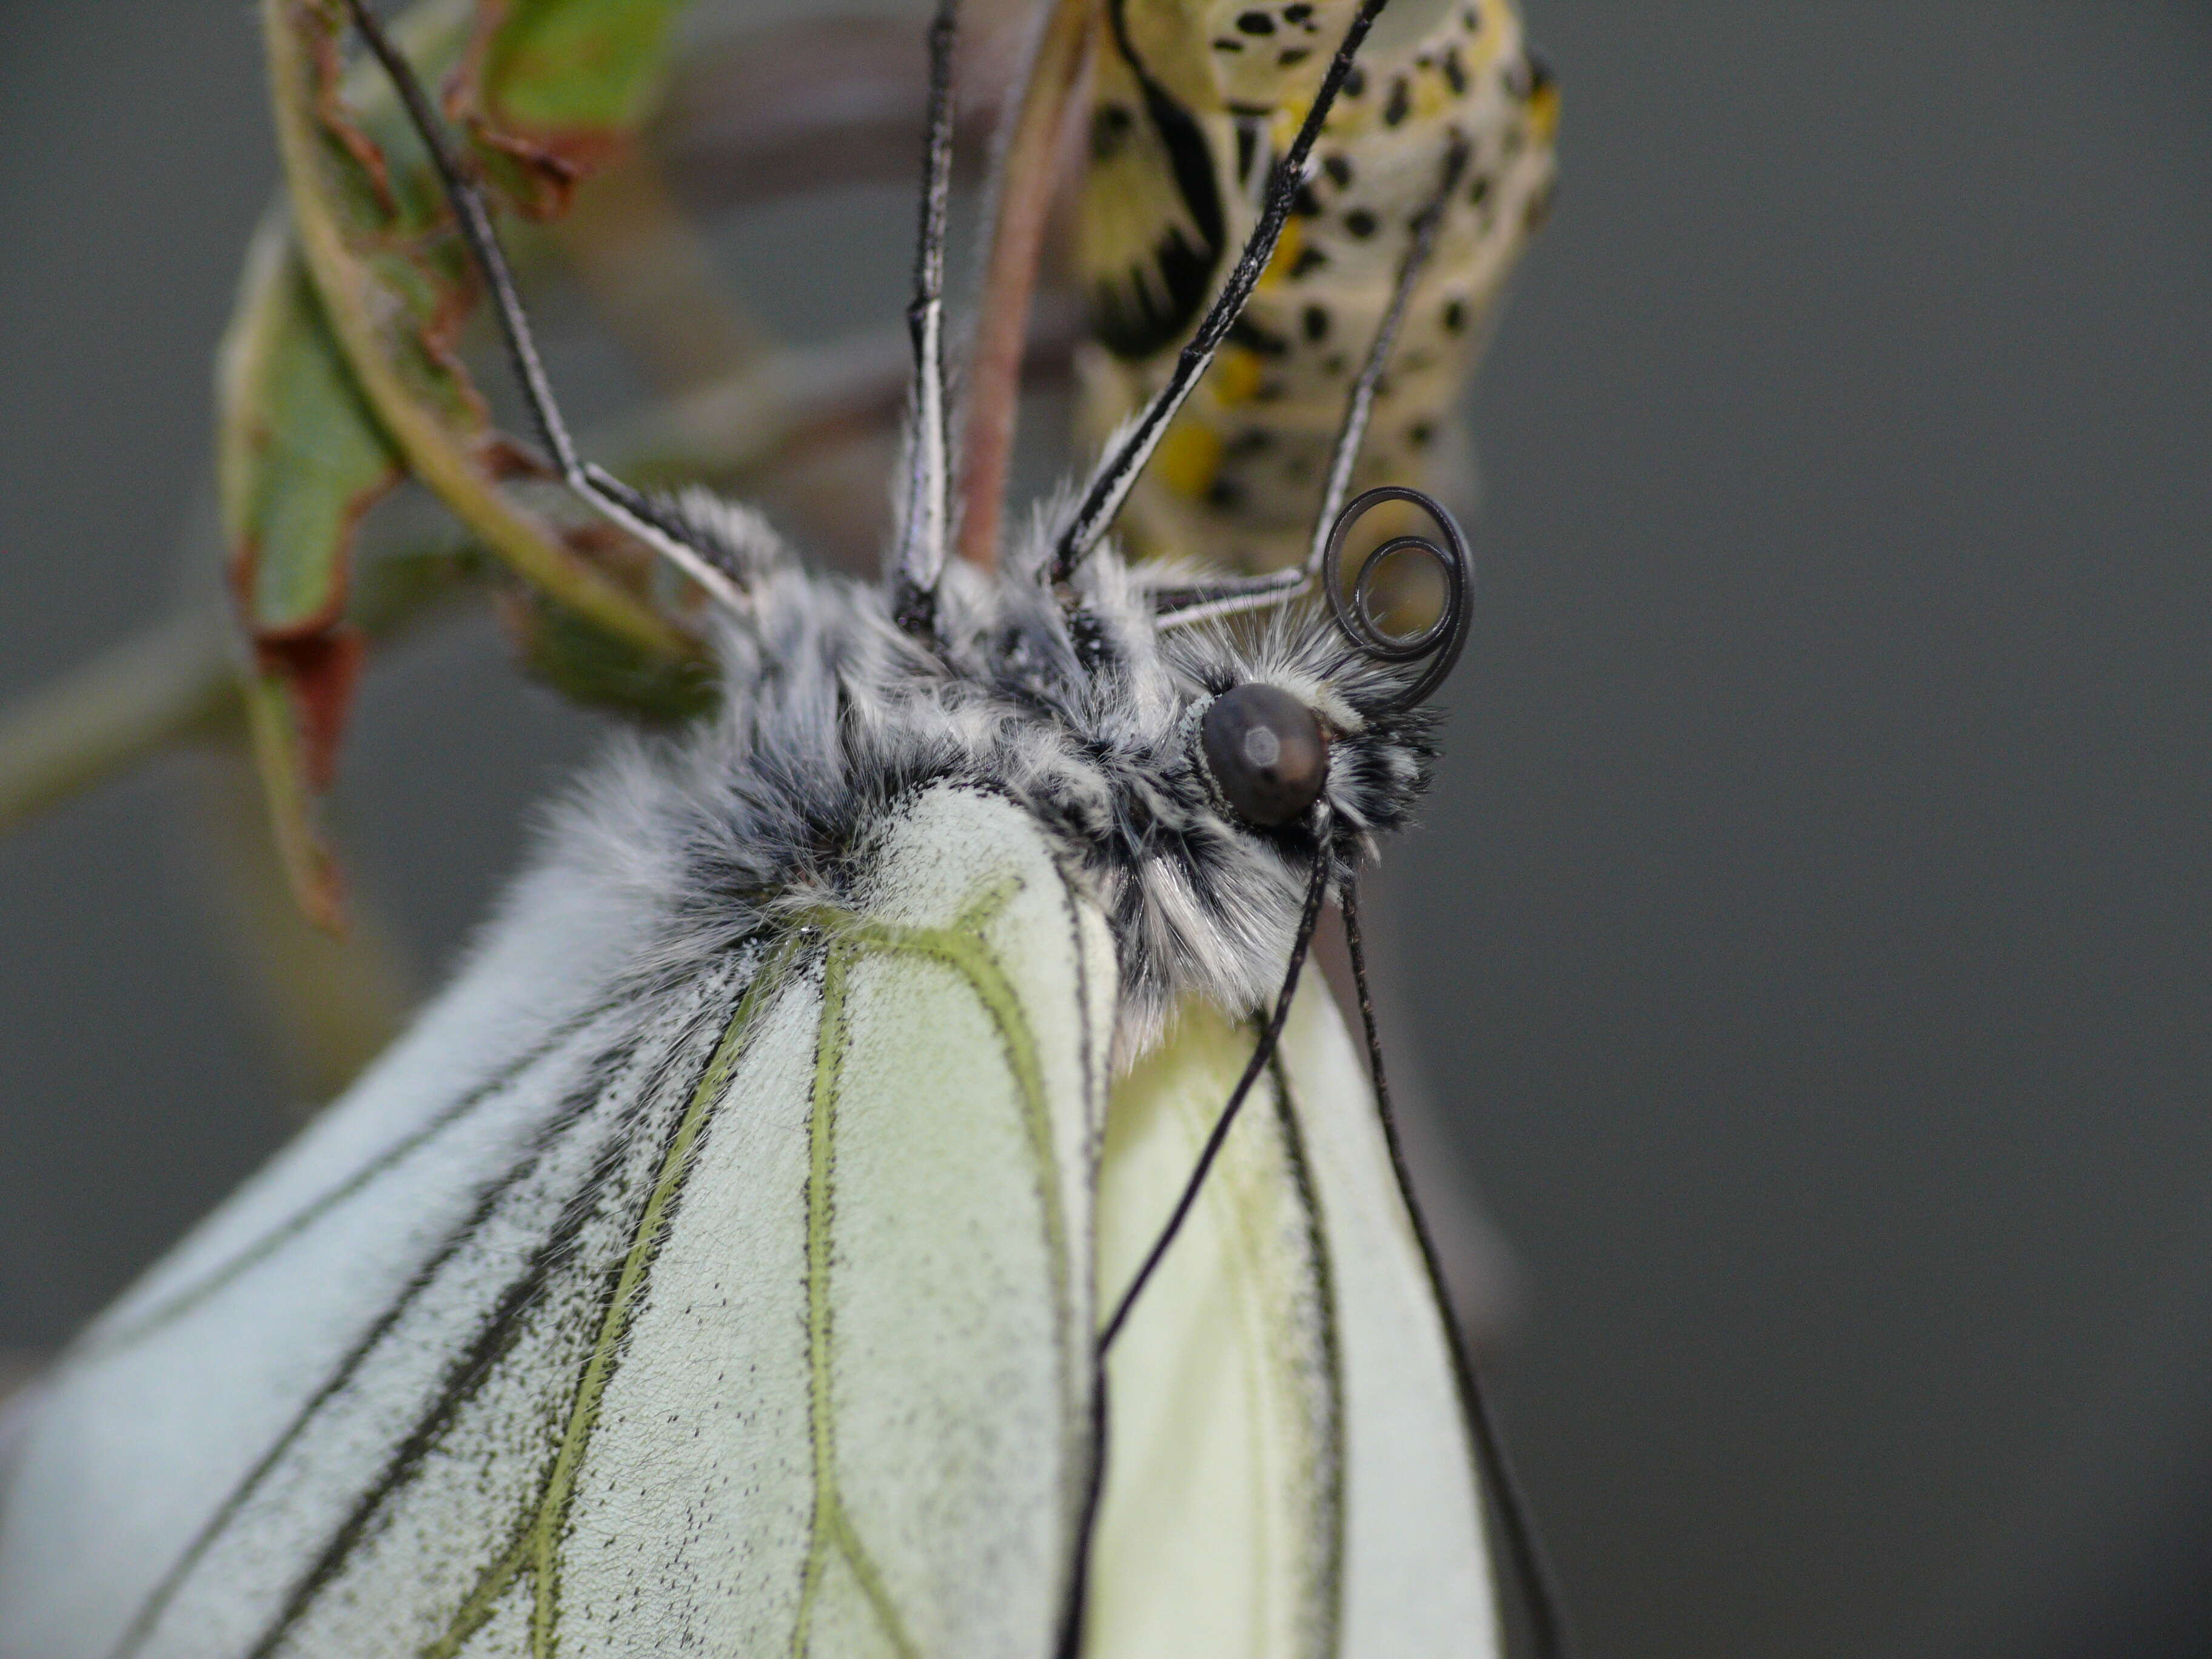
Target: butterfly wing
x=1416, y=1579
x=1290, y=1470
x=751, y=1315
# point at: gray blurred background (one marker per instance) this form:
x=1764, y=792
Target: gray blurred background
x=1812, y=937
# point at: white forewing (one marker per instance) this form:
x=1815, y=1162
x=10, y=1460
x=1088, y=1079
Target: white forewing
x=541, y=967
x=755, y=1315
x=906, y=1478
x=1289, y=1467
x=175, y=1397
x=752, y=1316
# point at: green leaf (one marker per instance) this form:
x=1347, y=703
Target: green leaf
x=302, y=457
x=561, y=85
x=396, y=287
x=590, y=665
x=342, y=372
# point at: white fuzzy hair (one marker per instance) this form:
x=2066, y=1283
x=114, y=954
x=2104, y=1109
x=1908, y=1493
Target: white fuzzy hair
x=1081, y=712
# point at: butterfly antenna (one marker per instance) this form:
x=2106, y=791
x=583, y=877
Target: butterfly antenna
x=1548, y=1626
x=925, y=528
x=1118, y=473
x=606, y=493
x=1316, y=890
x=1180, y=607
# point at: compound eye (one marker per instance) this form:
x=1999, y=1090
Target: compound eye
x=1267, y=752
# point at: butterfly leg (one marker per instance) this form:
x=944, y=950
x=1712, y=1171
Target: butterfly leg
x=606, y=493
x=926, y=527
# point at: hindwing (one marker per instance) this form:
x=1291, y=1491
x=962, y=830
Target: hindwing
x=1291, y=1470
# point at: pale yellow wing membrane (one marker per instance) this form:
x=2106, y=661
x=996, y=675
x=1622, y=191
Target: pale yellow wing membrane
x=1289, y=1469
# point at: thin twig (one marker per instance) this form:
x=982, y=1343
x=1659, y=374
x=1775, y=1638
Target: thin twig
x=797, y=403
x=179, y=678
x=170, y=683
x=1032, y=146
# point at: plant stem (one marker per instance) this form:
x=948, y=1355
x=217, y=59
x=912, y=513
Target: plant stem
x=172, y=681
x=1032, y=146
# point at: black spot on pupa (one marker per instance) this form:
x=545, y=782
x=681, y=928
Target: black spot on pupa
x=1225, y=495
x=1228, y=43
x=1252, y=440
x=1255, y=23
x=1360, y=223
x=1290, y=56
x=1471, y=20
x=1310, y=260
x=1316, y=323
x=1400, y=104
x=1456, y=73
x=1111, y=127
x=1248, y=148
x=1454, y=317
x=1337, y=167
x=1306, y=203
x=1334, y=363
x=1135, y=315
x=1260, y=341
x=1270, y=392
x=1355, y=83
x=1420, y=434
x=1297, y=12
x=1479, y=192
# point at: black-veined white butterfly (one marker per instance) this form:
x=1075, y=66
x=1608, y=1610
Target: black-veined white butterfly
x=878, y=1187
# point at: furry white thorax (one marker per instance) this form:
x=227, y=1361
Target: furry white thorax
x=1079, y=712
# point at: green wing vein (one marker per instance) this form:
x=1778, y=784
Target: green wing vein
x=843, y=939
x=962, y=949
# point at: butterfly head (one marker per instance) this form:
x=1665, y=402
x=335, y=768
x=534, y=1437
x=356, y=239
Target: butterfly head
x=1200, y=748
x=1196, y=754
